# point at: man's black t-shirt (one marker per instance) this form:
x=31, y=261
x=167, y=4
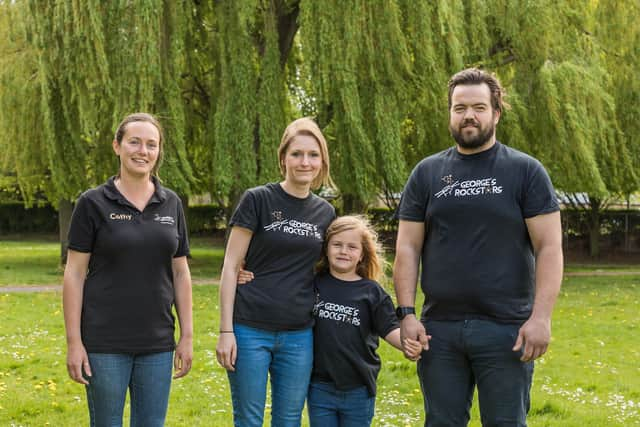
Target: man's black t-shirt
x=128, y=293
x=287, y=242
x=477, y=259
x=350, y=317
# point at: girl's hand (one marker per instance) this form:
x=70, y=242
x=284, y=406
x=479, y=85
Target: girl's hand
x=78, y=363
x=413, y=348
x=227, y=350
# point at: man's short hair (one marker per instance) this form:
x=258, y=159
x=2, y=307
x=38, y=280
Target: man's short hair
x=475, y=76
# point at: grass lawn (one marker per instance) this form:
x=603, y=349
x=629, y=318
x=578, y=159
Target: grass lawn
x=589, y=378
x=34, y=261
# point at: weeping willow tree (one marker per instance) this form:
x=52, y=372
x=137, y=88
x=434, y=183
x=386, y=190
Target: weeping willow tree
x=360, y=69
x=22, y=148
x=567, y=113
x=252, y=41
x=226, y=77
x=557, y=73
x=78, y=70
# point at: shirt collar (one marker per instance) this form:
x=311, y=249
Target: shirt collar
x=112, y=192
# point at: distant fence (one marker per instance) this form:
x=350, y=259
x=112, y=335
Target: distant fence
x=619, y=229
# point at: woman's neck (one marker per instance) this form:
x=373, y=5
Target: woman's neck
x=138, y=191
x=134, y=184
x=299, y=191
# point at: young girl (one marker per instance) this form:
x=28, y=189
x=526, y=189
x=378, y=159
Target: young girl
x=352, y=310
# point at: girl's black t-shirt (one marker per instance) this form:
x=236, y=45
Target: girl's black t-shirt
x=286, y=244
x=128, y=292
x=350, y=318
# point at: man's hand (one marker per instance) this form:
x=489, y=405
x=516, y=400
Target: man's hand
x=535, y=335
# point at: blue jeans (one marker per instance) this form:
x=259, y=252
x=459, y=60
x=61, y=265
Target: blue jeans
x=287, y=357
x=148, y=378
x=330, y=407
x=469, y=353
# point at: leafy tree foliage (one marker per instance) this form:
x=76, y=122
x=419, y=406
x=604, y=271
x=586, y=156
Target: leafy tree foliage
x=227, y=76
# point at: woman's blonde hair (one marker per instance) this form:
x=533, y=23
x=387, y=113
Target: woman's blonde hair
x=306, y=126
x=372, y=263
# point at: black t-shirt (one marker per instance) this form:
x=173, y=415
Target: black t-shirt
x=287, y=242
x=477, y=258
x=350, y=317
x=128, y=292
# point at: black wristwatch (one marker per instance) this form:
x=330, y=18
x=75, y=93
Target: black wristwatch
x=402, y=312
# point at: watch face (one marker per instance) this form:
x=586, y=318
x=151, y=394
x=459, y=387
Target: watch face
x=402, y=312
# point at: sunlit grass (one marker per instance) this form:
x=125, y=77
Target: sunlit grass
x=589, y=378
x=37, y=262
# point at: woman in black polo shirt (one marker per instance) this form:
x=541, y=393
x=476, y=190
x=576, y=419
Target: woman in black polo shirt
x=126, y=268
x=265, y=325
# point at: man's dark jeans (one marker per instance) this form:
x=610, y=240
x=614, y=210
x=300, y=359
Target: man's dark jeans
x=468, y=353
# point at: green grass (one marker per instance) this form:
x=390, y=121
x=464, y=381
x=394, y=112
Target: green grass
x=589, y=378
x=37, y=262
x=30, y=262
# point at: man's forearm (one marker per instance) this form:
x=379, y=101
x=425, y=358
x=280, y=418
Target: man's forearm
x=548, y=281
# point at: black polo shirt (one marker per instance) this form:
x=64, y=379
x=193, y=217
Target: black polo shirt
x=128, y=292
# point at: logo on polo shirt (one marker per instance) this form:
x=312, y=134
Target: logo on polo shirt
x=120, y=217
x=168, y=220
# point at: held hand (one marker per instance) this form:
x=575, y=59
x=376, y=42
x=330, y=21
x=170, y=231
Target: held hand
x=410, y=327
x=244, y=276
x=183, y=357
x=226, y=351
x=412, y=348
x=78, y=363
x=535, y=335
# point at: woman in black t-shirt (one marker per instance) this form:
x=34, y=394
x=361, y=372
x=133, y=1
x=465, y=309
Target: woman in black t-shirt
x=126, y=268
x=265, y=325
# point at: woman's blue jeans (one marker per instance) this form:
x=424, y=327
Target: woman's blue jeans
x=287, y=357
x=146, y=376
x=330, y=407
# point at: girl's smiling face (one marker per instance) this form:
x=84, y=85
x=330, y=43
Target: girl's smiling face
x=344, y=252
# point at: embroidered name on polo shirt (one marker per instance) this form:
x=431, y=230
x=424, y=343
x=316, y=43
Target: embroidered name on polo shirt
x=168, y=220
x=121, y=217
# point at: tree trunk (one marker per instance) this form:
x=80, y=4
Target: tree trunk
x=594, y=228
x=65, y=209
x=352, y=204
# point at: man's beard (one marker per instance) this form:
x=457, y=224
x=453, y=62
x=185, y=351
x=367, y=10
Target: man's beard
x=471, y=142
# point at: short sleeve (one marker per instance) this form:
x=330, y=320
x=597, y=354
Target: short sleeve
x=539, y=196
x=413, y=202
x=183, y=238
x=246, y=213
x=384, y=316
x=82, y=229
